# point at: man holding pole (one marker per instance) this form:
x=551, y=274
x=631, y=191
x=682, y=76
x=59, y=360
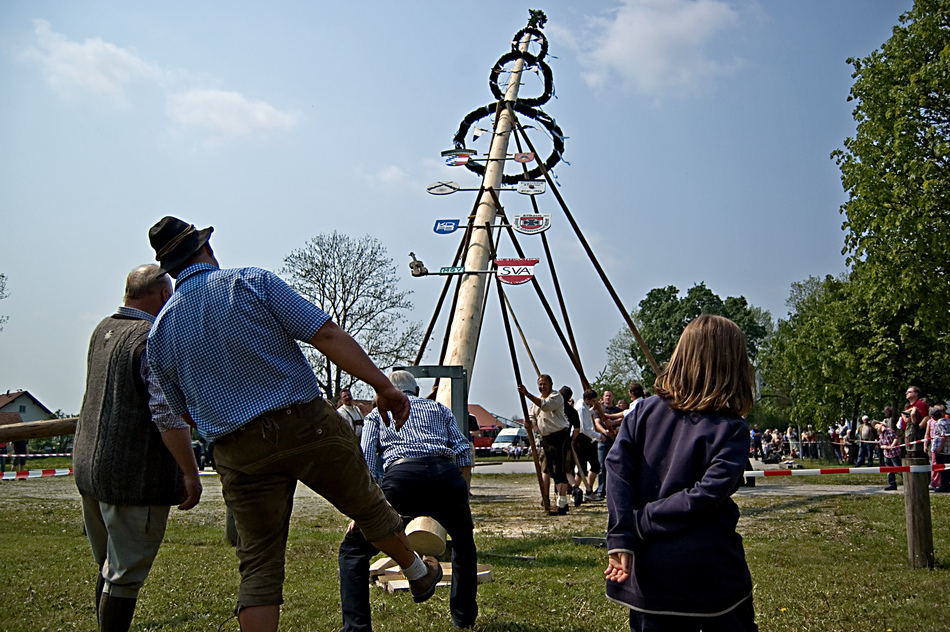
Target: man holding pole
x=547, y=414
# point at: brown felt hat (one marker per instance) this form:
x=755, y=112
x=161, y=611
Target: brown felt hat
x=175, y=241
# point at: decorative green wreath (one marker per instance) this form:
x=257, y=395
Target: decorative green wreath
x=557, y=137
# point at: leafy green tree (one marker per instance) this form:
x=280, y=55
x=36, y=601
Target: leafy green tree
x=661, y=317
x=896, y=171
x=844, y=352
x=808, y=371
x=355, y=282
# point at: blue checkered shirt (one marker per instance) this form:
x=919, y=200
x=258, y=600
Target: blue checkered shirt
x=430, y=431
x=224, y=346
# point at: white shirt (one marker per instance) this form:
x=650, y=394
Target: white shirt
x=587, y=420
x=352, y=414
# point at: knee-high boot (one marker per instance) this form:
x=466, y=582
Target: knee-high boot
x=115, y=613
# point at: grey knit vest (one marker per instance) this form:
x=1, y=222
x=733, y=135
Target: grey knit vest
x=118, y=456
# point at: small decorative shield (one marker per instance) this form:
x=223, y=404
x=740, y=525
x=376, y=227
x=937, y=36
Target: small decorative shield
x=515, y=271
x=446, y=226
x=531, y=187
x=531, y=224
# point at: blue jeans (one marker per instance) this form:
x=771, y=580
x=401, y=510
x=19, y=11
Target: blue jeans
x=891, y=461
x=603, y=447
x=865, y=454
x=433, y=487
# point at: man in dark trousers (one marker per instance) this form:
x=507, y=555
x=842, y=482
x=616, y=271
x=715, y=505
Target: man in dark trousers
x=427, y=466
x=224, y=349
x=132, y=457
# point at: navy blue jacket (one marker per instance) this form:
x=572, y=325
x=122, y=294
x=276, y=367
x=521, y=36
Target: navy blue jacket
x=670, y=477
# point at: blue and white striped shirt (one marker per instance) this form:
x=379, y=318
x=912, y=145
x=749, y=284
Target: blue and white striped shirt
x=224, y=346
x=430, y=431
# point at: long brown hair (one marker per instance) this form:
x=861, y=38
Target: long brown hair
x=710, y=369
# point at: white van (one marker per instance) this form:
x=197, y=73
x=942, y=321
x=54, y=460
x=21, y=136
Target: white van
x=507, y=438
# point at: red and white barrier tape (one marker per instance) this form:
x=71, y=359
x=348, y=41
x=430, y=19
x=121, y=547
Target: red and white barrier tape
x=38, y=455
x=897, y=469
x=22, y=474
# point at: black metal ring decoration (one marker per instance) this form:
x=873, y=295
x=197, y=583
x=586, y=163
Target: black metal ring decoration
x=557, y=138
x=529, y=60
x=535, y=32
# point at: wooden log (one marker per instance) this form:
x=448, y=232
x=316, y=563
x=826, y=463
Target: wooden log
x=920, y=539
x=38, y=429
x=426, y=536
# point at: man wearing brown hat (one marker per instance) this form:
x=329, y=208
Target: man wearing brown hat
x=224, y=350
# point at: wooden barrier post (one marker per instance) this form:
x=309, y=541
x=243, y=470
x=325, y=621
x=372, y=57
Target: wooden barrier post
x=920, y=539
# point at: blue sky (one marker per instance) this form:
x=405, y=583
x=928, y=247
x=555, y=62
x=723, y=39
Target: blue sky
x=699, y=135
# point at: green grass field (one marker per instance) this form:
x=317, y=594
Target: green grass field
x=820, y=563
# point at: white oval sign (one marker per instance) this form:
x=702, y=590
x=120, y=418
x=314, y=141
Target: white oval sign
x=444, y=187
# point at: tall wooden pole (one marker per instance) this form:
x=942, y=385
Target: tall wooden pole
x=467, y=320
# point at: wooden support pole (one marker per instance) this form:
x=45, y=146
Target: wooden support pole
x=467, y=319
x=545, y=501
x=523, y=338
x=590, y=254
x=38, y=429
x=920, y=539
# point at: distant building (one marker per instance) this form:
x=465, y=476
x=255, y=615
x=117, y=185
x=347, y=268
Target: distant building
x=21, y=403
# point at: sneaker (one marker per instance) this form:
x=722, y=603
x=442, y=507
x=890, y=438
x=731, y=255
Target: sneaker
x=891, y=488
x=560, y=511
x=578, y=496
x=594, y=497
x=424, y=587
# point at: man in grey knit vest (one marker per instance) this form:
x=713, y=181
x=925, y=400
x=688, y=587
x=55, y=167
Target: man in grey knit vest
x=132, y=457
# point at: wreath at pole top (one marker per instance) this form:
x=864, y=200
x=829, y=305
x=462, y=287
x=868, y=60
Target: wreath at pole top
x=535, y=34
x=557, y=138
x=529, y=61
x=528, y=107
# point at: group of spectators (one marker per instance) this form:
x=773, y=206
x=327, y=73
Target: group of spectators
x=18, y=458
x=773, y=444
x=919, y=431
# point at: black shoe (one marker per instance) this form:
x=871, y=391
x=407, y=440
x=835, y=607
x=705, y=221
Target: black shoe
x=424, y=587
x=560, y=511
x=578, y=496
x=891, y=488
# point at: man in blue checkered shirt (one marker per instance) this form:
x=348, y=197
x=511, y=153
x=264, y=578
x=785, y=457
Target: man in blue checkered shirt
x=224, y=350
x=427, y=466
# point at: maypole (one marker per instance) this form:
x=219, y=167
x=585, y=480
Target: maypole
x=467, y=320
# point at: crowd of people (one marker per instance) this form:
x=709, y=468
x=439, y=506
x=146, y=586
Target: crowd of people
x=918, y=431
